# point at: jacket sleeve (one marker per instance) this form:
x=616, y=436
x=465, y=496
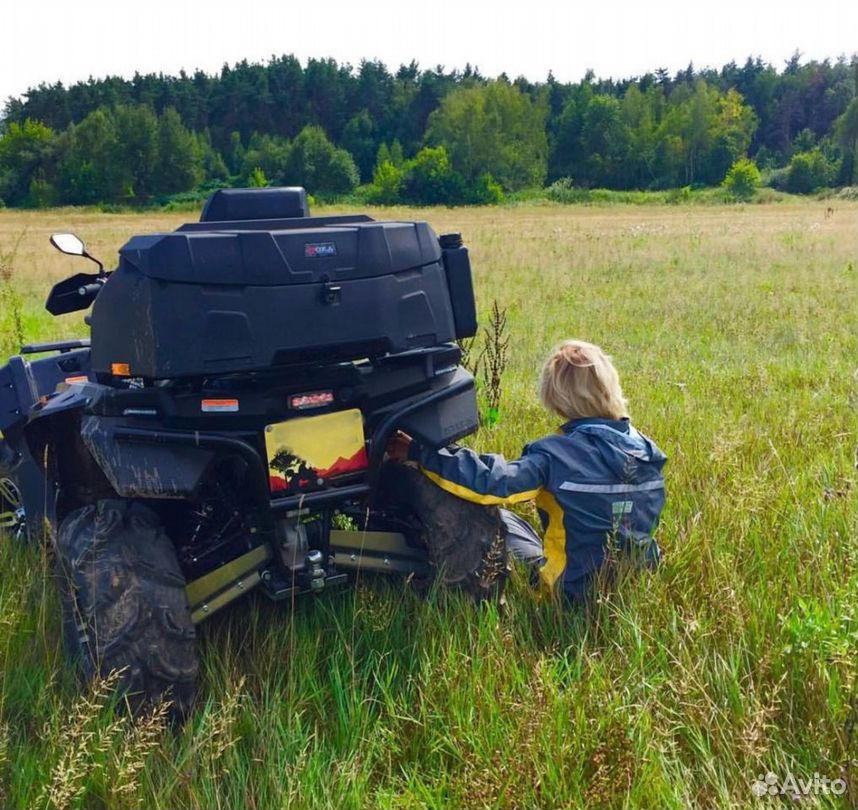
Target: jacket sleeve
x=485, y=479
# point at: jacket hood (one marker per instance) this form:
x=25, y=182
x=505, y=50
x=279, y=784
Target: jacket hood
x=618, y=442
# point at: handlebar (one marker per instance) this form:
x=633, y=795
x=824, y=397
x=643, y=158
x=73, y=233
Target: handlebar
x=75, y=293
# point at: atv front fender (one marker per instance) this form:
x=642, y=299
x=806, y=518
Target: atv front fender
x=18, y=395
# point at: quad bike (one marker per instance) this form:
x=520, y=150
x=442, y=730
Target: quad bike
x=225, y=428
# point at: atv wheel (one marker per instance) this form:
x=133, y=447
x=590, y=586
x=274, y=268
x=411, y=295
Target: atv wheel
x=124, y=603
x=466, y=542
x=12, y=517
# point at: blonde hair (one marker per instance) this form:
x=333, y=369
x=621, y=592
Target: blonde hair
x=579, y=380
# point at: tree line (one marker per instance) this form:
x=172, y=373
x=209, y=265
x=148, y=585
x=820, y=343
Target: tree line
x=427, y=136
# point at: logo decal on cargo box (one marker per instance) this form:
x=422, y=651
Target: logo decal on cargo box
x=219, y=405
x=316, y=250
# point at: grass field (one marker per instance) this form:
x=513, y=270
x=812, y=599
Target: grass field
x=734, y=329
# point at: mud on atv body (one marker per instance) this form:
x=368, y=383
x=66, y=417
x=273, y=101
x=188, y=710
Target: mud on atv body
x=225, y=431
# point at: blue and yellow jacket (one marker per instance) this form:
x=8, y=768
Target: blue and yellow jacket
x=596, y=479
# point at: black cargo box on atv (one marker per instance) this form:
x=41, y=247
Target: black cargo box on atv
x=254, y=292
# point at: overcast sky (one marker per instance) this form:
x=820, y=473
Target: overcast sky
x=70, y=40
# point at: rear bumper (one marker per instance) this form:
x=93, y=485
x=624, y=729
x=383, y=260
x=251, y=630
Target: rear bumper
x=145, y=462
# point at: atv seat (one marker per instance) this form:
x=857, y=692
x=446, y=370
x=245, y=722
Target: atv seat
x=236, y=204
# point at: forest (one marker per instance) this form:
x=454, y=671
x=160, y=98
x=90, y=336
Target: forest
x=428, y=136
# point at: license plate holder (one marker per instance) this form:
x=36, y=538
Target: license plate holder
x=306, y=453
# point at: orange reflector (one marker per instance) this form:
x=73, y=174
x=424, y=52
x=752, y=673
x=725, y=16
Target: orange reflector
x=219, y=405
x=79, y=379
x=120, y=369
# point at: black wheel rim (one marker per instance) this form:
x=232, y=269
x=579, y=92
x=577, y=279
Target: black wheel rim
x=12, y=517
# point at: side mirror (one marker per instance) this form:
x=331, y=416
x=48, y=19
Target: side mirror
x=73, y=246
x=68, y=243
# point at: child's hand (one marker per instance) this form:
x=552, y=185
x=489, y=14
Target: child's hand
x=397, y=447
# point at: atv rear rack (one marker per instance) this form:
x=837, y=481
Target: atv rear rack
x=61, y=346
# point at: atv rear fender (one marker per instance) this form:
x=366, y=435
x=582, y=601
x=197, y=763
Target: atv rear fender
x=150, y=463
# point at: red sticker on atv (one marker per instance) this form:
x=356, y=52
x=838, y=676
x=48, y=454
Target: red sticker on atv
x=219, y=405
x=315, y=399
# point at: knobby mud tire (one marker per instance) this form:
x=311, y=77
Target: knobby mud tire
x=124, y=604
x=466, y=542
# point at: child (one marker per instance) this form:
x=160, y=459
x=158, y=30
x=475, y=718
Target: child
x=597, y=482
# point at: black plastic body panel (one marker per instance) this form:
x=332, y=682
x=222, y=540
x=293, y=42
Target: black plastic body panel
x=449, y=420
x=273, y=224
x=17, y=393
x=166, y=330
x=283, y=258
x=22, y=384
x=458, y=266
x=49, y=372
x=144, y=469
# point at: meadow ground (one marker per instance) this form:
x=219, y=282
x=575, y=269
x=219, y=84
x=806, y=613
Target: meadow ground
x=734, y=329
